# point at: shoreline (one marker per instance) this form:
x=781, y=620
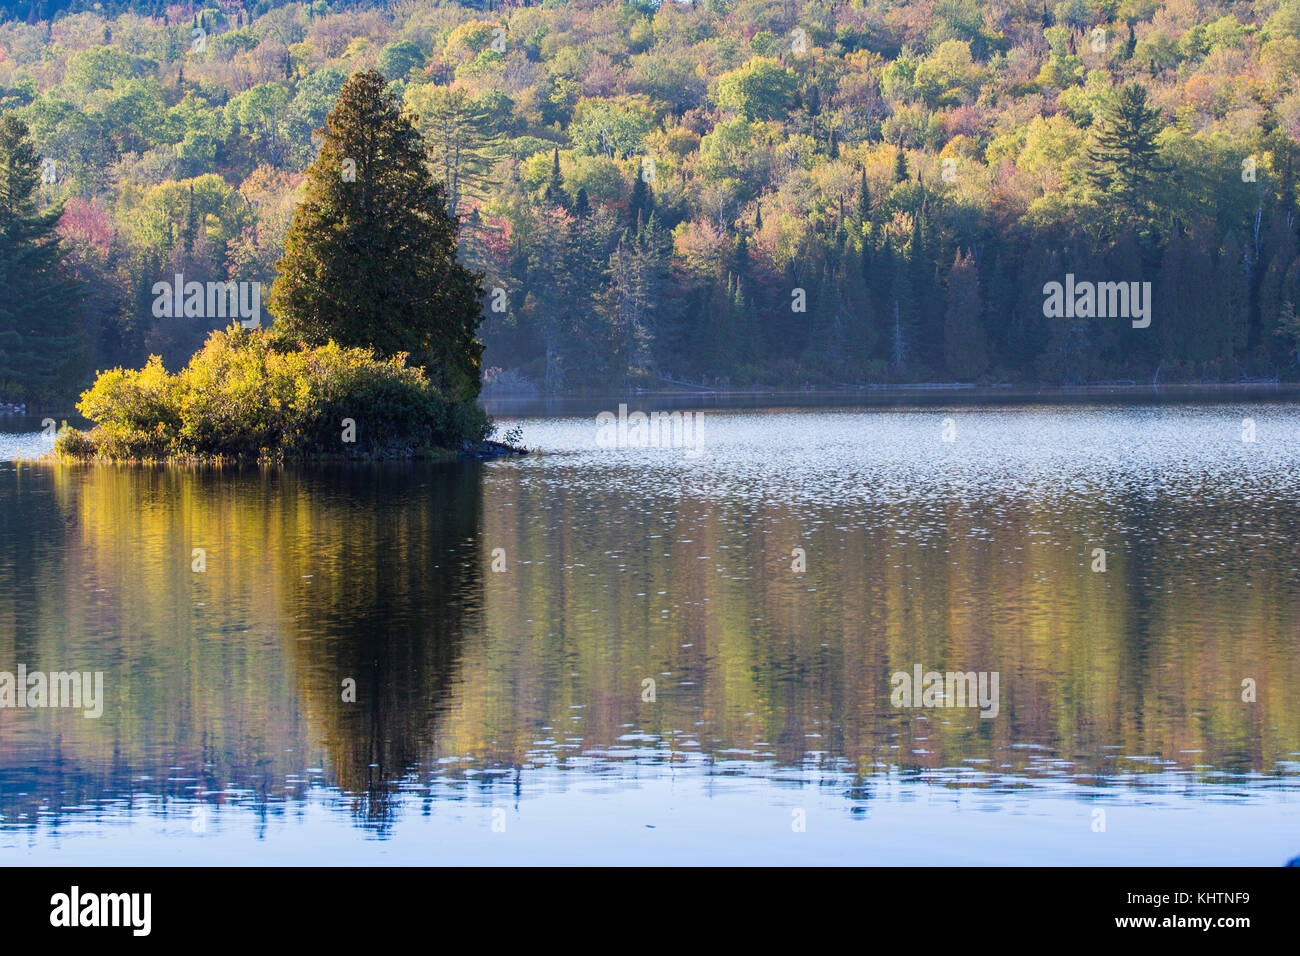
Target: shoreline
x=864, y=395
x=896, y=395
x=485, y=450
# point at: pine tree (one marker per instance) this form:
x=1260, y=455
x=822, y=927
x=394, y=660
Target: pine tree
x=461, y=140
x=40, y=334
x=1125, y=161
x=719, y=346
x=1131, y=354
x=747, y=332
x=370, y=259
x=1029, y=333
x=880, y=286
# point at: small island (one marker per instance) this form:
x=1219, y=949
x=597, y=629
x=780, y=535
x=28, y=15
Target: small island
x=374, y=351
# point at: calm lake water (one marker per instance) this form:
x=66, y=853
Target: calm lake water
x=502, y=622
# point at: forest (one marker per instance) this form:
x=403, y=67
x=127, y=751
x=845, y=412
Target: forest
x=722, y=193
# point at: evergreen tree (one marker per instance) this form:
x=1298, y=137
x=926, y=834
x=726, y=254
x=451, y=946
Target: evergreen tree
x=858, y=316
x=461, y=141
x=581, y=204
x=719, y=347
x=554, y=192
x=1192, y=329
x=40, y=334
x=1069, y=354
x=747, y=333
x=554, y=303
x=1288, y=332
x=900, y=166
x=1029, y=331
x=864, y=201
x=901, y=316
x=963, y=333
x=1125, y=161
x=370, y=259
x=632, y=295
x=641, y=203
x=999, y=294
x=1232, y=279
x=1277, y=250
x=880, y=287
x=926, y=332
x=1117, y=342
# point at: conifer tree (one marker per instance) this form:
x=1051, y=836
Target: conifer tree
x=900, y=166
x=964, y=344
x=641, y=203
x=1125, y=160
x=370, y=259
x=581, y=204
x=40, y=335
x=555, y=193
x=462, y=143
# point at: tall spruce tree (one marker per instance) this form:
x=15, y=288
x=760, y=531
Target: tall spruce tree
x=554, y=192
x=641, y=203
x=864, y=202
x=370, y=259
x=40, y=331
x=900, y=166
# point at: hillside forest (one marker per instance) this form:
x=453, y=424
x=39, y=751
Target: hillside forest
x=728, y=193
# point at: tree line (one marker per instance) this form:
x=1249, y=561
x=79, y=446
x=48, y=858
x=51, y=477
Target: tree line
x=723, y=192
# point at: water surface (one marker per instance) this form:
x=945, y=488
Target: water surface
x=504, y=715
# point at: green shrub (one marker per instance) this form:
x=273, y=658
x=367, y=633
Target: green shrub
x=74, y=444
x=243, y=398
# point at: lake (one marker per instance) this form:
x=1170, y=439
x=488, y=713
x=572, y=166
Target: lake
x=610, y=652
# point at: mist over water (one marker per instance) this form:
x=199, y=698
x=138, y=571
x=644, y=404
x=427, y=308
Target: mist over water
x=516, y=699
